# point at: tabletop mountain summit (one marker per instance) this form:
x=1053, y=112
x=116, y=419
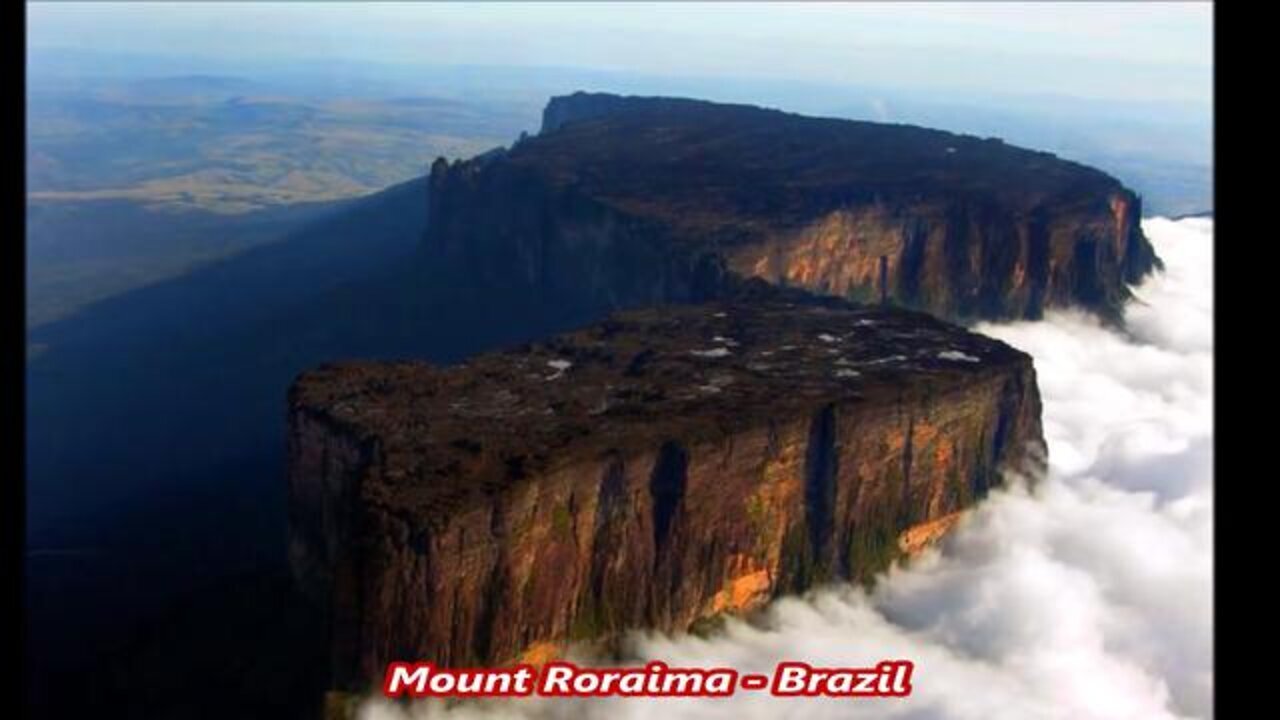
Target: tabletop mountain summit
x=781, y=401
x=662, y=467
x=628, y=201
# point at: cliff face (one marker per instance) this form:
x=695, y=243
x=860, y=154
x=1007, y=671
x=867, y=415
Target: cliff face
x=655, y=470
x=625, y=201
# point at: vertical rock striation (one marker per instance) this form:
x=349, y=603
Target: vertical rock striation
x=624, y=201
x=655, y=470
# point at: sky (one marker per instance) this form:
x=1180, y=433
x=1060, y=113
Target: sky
x=1132, y=51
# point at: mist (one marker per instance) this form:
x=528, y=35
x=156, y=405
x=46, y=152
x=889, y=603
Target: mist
x=1086, y=594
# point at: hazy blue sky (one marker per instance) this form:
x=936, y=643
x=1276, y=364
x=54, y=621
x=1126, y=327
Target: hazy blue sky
x=1136, y=51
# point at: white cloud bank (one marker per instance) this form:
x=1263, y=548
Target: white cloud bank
x=1089, y=596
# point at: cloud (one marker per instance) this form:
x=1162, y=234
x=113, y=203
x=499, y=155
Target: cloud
x=1088, y=595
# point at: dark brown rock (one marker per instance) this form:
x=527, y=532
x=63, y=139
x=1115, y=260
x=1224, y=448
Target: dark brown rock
x=625, y=201
x=654, y=470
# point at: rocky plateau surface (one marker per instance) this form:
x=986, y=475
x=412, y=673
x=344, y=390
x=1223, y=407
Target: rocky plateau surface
x=656, y=470
x=629, y=201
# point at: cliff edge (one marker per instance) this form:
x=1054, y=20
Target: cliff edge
x=629, y=201
x=655, y=470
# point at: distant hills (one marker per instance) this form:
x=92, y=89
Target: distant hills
x=135, y=180
x=229, y=145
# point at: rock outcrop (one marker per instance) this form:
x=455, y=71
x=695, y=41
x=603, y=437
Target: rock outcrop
x=656, y=470
x=625, y=201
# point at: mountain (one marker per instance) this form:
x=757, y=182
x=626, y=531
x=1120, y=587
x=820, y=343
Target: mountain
x=156, y=418
x=625, y=201
x=655, y=470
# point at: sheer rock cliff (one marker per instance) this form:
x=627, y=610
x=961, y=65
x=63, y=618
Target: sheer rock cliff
x=626, y=201
x=655, y=470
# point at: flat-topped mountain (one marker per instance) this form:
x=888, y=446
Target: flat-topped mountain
x=628, y=201
x=653, y=470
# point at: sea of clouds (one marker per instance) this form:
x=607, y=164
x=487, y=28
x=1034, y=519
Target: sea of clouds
x=1086, y=596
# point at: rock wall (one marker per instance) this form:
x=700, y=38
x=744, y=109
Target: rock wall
x=622, y=202
x=652, y=527
x=963, y=261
